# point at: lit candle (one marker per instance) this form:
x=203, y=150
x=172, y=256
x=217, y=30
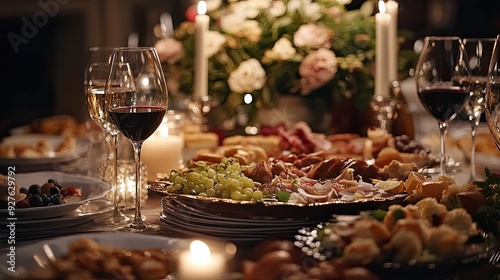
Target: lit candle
x=201, y=22
x=162, y=152
x=392, y=9
x=382, y=21
x=199, y=263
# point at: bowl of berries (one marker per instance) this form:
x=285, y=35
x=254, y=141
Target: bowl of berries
x=45, y=195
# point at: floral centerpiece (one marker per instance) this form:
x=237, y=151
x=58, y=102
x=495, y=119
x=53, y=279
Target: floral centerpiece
x=260, y=50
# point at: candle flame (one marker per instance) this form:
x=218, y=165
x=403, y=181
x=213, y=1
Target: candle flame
x=199, y=251
x=202, y=7
x=381, y=6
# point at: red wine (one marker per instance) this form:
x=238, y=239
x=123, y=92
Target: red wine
x=139, y=122
x=444, y=103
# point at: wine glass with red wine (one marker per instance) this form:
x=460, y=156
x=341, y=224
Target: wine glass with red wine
x=443, y=82
x=492, y=104
x=136, y=99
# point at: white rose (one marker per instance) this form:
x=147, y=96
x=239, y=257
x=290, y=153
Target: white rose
x=169, y=50
x=246, y=9
x=230, y=23
x=249, y=76
x=277, y=9
x=251, y=30
x=317, y=69
x=215, y=42
x=284, y=49
x=312, y=11
x=213, y=5
x=313, y=36
x=294, y=5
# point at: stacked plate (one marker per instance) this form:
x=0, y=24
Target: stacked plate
x=191, y=217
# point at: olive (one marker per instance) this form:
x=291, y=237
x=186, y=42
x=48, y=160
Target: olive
x=35, y=189
x=55, y=190
x=24, y=190
x=36, y=200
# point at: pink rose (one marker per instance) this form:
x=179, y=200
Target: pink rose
x=313, y=36
x=317, y=69
x=169, y=50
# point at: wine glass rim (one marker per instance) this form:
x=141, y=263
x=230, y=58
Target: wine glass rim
x=442, y=38
x=489, y=39
x=134, y=49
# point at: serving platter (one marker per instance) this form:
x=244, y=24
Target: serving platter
x=92, y=189
x=275, y=210
x=33, y=256
x=478, y=249
x=53, y=142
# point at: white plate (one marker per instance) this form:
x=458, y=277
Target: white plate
x=83, y=214
x=25, y=255
x=82, y=146
x=92, y=188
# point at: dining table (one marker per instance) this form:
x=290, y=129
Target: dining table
x=152, y=210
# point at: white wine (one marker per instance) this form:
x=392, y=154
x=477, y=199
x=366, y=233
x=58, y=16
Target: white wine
x=475, y=105
x=97, y=107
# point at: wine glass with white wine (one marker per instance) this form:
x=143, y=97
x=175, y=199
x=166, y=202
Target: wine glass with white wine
x=492, y=105
x=479, y=51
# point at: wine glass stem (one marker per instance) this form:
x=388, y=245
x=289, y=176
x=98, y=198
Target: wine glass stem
x=138, y=222
x=442, y=163
x=113, y=149
x=474, y=124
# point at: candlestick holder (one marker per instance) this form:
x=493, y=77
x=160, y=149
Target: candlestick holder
x=125, y=181
x=384, y=108
x=198, y=108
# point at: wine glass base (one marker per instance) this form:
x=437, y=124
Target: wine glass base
x=146, y=227
x=119, y=219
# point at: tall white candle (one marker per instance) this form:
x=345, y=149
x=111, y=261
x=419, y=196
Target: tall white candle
x=162, y=152
x=392, y=9
x=382, y=22
x=201, y=59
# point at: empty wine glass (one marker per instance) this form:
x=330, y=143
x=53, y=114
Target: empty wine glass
x=492, y=105
x=136, y=99
x=478, y=52
x=96, y=76
x=442, y=78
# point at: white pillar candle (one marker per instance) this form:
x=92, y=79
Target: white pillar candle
x=201, y=22
x=162, y=152
x=392, y=9
x=199, y=263
x=382, y=25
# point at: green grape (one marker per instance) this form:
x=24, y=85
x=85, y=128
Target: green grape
x=257, y=194
x=211, y=173
x=234, y=183
x=226, y=194
x=219, y=187
x=190, y=185
x=202, y=194
x=171, y=189
x=185, y=191
x=236, y=195
x=211, y=192
x=248, y=192
x=207, y=183
x=203, y=173
x=192, y=176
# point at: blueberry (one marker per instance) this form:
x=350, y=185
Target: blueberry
x=55, y=190
x=36, y=200
x=56, y=199
x=46, y=199
x=24, y=190
x=52, y=181
x=35, y=189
